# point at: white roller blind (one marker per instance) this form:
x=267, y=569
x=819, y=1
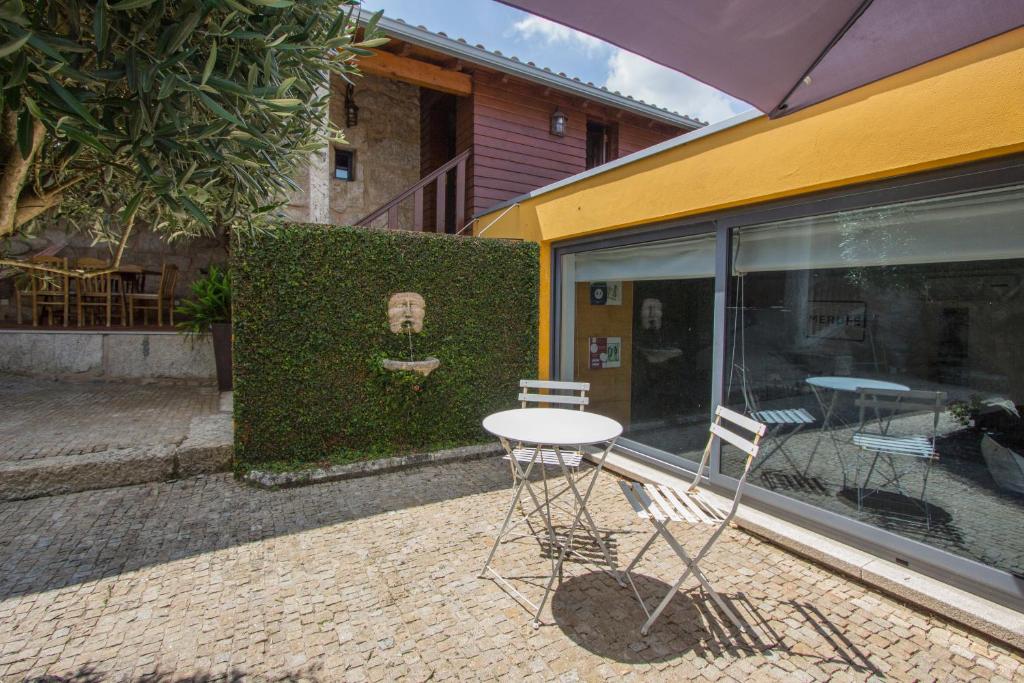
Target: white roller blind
x=679, y=259
x=976, y=227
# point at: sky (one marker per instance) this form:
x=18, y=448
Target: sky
x=531, y=38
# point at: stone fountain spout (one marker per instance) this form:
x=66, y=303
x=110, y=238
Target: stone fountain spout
x=406, y=311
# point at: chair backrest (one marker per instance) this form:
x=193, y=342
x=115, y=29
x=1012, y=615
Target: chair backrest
x=97, y=284
x=89, y=263
x=168, y=281
x=724, y=428
x=888, y=406
x=49, y=283
x=574, y=393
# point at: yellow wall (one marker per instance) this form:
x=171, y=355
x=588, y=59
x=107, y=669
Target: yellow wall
x=960, y=108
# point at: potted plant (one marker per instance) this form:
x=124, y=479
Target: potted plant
x=207, y=310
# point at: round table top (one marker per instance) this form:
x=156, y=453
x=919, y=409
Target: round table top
x=552, y=426
x=855, y=384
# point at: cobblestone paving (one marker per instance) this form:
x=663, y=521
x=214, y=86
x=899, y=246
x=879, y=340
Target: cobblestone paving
x=44, y=418
x=376, y=579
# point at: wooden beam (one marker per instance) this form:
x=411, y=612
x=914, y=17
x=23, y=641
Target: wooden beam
x=416, y=72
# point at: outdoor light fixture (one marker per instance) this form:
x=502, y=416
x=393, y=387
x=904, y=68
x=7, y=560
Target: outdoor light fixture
x=351, y=110
x=558, y=123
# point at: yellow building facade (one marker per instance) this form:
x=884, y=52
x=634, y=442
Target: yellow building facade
x=789, y=267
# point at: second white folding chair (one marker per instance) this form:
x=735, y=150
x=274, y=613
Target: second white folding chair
x=661, y=505
x=570, y=395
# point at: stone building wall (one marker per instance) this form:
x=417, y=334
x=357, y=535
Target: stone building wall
x=386, y=142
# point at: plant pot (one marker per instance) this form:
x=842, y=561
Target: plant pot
x=222, y=354
x=1005, y=464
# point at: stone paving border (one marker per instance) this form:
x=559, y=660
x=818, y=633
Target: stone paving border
x=207, y=448
x=275, y=480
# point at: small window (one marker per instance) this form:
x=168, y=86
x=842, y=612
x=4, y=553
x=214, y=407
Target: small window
x=344, y=164
x=602, y=143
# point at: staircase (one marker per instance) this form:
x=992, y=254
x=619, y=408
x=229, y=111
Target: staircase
x=439, y=179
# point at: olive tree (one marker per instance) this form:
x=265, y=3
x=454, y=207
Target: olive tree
x=185, y=114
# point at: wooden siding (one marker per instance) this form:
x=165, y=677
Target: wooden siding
x=507, y=121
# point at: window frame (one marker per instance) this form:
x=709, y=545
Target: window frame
x=975, y=577
x=351, y=154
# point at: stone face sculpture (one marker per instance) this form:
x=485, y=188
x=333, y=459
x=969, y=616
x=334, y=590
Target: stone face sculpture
x=650, y=314
x=406, y=311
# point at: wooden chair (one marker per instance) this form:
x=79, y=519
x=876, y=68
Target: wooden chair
x=660, y=504
x=94, y=293
x=158, y=301
x=49, y=291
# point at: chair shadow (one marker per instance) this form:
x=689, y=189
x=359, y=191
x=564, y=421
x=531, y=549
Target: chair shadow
x=605, y=619
x=906, y=515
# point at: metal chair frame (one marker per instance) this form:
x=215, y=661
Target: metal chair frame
x=574, y=395
x=886, y=406
x=777, y=420
x=663, y=504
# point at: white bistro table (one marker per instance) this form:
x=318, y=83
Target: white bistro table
x=838, y=385
x=563, y=432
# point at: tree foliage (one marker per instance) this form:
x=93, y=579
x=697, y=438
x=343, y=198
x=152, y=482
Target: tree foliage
x=187, y=114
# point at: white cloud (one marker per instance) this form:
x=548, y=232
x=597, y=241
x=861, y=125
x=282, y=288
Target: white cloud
x=550, y=33
x=634, y=75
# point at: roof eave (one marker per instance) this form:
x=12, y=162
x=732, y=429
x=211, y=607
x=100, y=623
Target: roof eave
x=476, y=55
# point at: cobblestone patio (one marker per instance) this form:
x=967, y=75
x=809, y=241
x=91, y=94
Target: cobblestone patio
x=43, y=418
x=375, y=579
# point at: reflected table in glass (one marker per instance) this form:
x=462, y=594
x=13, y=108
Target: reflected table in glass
x=559, y=432
x=837, y=386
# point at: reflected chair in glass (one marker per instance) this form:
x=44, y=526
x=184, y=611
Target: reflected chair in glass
x=661, y=504
x=792, y=420
x=159, y=301
x=49, y=291
x=897, y=429
x=94, y=293
x=570, y=395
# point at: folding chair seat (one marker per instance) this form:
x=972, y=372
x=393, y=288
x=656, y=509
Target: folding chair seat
x=661, y=505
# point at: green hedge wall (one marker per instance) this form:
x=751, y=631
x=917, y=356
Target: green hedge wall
x=311, y=330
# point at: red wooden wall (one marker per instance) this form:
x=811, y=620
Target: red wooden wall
x=513, y=150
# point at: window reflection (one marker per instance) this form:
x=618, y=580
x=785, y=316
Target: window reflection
x=882, y=349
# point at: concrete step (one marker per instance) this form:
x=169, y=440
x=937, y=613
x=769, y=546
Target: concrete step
x=207, y=448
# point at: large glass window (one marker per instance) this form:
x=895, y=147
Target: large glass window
x=640, y=323
x=883, y=348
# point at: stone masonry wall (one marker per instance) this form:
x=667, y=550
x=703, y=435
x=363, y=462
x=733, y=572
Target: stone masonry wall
x=386, y=142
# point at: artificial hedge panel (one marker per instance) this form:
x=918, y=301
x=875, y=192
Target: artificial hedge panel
x=311, y=329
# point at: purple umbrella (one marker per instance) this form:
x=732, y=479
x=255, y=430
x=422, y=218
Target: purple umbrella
x=782, y=56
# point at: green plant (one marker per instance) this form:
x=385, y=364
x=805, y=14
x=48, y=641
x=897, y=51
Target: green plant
x=188, y=114
x=311, y=329
x=209, y=302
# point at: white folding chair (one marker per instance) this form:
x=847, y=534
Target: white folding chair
x=893, y=435
x=662, y=504
x=560, y=395
x=783, y=424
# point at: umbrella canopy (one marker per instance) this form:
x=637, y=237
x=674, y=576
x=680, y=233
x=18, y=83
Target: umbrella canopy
x=784, y=56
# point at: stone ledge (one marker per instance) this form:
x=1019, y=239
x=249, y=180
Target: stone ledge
x=207, y=448
x=273, y=480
